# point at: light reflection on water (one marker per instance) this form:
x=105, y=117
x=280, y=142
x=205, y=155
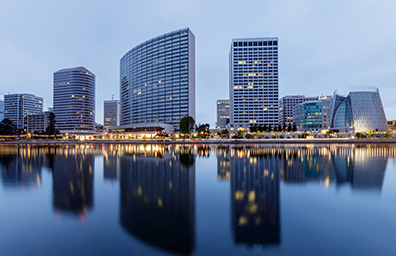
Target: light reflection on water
x=158, y=190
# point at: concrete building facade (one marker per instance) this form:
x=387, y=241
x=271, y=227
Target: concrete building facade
x=253, y=77
x=38, y=122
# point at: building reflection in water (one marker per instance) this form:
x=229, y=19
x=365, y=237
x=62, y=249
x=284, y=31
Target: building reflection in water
x=361, y=167
x=223, y=163
x=255, y=206
x=21, y=166
x=73, y=180
x=111, y=162
x=158, y=196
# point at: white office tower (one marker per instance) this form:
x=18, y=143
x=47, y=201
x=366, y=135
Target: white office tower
x=254, y=83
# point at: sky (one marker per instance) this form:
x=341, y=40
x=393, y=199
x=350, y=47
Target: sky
x=323, y=45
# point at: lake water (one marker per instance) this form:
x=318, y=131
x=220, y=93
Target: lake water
x=198, y=200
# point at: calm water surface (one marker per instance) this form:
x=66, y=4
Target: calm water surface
x=199, y=200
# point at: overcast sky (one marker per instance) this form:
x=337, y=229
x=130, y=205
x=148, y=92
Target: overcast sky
x=323, y=45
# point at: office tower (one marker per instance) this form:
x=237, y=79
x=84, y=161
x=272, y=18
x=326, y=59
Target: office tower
x=74, y=100
x=1, y=110
x=111, y=113
x=254, y=91
x=18, y=106
x=223, y=113
x=360, y=110
x=157, y=80
x=286, y=105
x=38, y=122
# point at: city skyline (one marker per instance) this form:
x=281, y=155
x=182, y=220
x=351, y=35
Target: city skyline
x=324, y=47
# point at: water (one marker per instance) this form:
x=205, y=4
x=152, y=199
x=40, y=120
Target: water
x=199, y=200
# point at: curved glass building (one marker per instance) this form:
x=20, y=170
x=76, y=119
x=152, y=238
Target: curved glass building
x=74, y=100
x=157, y=80
x=361, y=109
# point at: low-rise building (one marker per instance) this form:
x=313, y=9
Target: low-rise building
x=37, y=122
x=286, y=105
x=313, y=115
x=392, y=125
x=147, y=130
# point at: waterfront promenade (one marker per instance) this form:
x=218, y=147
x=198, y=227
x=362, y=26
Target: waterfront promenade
x=208, y=141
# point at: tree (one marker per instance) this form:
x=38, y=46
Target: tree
x=223, y=133
x=7, y=127
x=253, y=128
x=284, y=127
x=50, y=130
x=187, y=125
x=203, y=130
x=279, y=128
x=289, y=127
x=294, y=127
x=159, y=132
x=265, y=128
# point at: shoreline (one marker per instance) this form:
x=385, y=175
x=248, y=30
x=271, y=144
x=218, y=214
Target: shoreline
x=213, y=142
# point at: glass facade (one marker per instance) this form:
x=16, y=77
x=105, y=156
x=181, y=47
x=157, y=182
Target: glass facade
x=223, y=113
x=308, y=115
x=361, y=109
x=253, y=79
x=286, y=105
x=157, y=80
x=17, y=107
x=74, y=100
x=111, y=113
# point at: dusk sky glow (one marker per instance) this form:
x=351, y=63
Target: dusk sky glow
x=323, y=45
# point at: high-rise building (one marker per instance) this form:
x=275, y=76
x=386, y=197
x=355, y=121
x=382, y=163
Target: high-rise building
x=18, y=106
x=74, y=100
x=157, y=80
x=286, y=105
x=360, y=110
x=254, y=82
x=1, y=110
x=223, y=113
x=111, y=113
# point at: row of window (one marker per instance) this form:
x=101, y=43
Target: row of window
x=160, y=42
x=255, y=43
